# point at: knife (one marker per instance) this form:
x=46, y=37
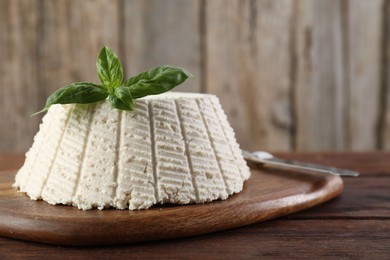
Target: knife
x=269, y=160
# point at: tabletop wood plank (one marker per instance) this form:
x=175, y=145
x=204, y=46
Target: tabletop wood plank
x=367, y=198
x=278, y=239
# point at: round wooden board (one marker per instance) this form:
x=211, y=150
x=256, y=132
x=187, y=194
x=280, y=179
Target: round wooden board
x=267, y=194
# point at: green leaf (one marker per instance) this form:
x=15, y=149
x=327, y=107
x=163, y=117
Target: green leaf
x=117, y=103
x=79, y=92
x=109, y=69
x=124, y=94
x=156, y=81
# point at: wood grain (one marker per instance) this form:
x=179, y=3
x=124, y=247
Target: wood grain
x=275, y=239
x=265, y=196
x=364, y=70
x=75, y=36
x=319, y=95
x=162, y=32
x=252, y=40
x=384, y=123
x=294, y=239
x=361, y=199
x=292, y=75
x=18, y=74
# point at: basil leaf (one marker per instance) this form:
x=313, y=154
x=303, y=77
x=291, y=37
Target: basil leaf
x=79, y=92
x=109, y=69
x=156, y=81
x=124, y=94
x=117, y=103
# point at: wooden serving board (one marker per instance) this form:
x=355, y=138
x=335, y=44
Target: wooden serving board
x=267, y=194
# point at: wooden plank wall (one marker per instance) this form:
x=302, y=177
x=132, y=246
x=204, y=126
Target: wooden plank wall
x=305, y=75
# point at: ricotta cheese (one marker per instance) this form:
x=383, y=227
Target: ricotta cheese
x=173, y=148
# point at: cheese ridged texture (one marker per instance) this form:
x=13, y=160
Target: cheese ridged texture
x=173, y=148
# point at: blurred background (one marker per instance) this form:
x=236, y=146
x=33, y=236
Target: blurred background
x=299, y=75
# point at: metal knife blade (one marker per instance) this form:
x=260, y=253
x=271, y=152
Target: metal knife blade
x=269, y=160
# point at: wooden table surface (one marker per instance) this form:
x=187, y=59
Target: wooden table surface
x=354, y=225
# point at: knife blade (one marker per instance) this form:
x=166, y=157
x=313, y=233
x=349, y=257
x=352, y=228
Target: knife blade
x=269, y=160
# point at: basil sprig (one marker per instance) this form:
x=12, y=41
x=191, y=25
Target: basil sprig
x=121, y=95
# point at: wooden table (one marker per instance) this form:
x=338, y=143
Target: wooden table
x=354, y=225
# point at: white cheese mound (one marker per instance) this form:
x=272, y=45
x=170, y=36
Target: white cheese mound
x=173, y=148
